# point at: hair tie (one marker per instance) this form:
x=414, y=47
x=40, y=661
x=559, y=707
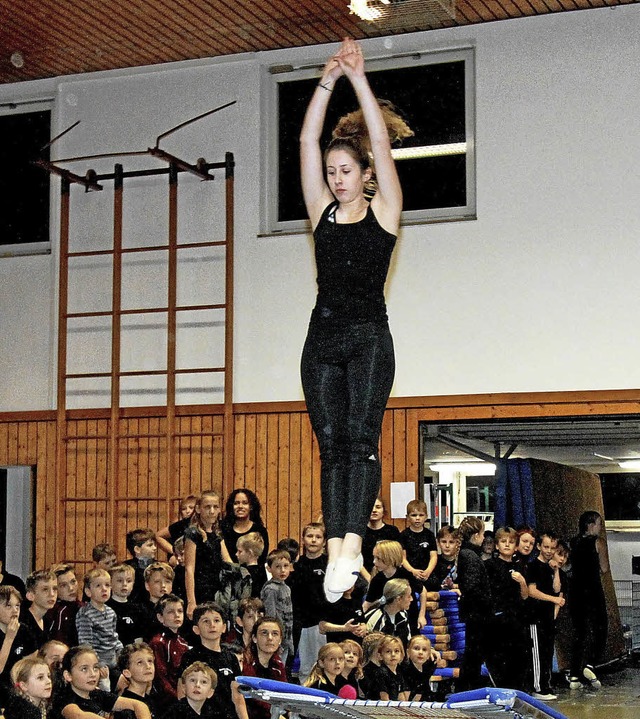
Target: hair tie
x=382, y=600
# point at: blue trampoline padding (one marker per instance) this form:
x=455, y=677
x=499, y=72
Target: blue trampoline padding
x=443, y=672
x=444, y=593
x=500, y=696
x=285, y=687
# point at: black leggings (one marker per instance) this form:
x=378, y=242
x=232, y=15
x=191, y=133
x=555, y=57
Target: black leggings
x=347, y=374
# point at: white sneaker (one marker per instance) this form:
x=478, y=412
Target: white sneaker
x=544, y=697
x=344, y=575
x=589, y=674
x=575, y=683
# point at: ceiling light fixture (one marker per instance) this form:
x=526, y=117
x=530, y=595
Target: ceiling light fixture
x=363, y=11
x=412, y=153
x=629, y=463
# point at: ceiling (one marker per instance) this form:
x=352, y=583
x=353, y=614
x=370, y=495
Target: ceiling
x=48, y=38
x=595, y=444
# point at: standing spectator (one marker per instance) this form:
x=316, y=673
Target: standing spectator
x=242, y=514
x=375, y=532
x=418, y=542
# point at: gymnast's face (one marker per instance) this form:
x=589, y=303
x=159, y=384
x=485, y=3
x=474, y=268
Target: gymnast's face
x=345, y=177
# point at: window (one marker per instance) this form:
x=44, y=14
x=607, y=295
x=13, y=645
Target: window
x=434, y=92
x=24, y=188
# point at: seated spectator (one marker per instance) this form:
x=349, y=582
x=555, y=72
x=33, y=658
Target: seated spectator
x=42, y=592
x=198, y=684
x=168, y=647
x=104, y=556
x=60, y=622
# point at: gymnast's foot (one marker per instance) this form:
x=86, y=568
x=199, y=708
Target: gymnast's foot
x=344, y=575
x=332, y=597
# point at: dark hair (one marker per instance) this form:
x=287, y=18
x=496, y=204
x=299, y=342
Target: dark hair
x=167, y=599
x=40, y=575
x=587, y=518
x=291, y=545
x=137, y=538
x=255, y=508
x=69, y=659
x=100, y=551
x=470, y=526
x=251, y=651
x=202, y=609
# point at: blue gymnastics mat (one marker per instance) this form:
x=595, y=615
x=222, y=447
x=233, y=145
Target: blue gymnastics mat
x=477, y=704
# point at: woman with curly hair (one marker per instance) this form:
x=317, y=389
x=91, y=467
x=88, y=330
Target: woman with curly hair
x=242, y=515
x=348, y=361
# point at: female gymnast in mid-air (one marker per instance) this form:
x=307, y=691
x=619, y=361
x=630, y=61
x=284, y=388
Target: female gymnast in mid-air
x=348, y=361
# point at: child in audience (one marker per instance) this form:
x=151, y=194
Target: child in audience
x=290, y=545
x=525, y=544
x=276, y=596
x=543, y=578
x=387, y=558
x=307, y=594
x=508, y=655
x=353, y=665
x=262, y=660
x=418, y=542
x=168, y=646
x=52, y=652
x=375, y=532
x=249, y=611
x=198, y=684
x=129, y=625
x=32, y=684
x=445, y=576
x=344, y=619
x=179, y=587
x=60, y=622
x=418, y=667
x=42, y=592
x=488, y=546
x=158, y=582
x=370, y=663
x=96, y=622
x=326, y=673
x=249, y=550
x=392, y=686
x=104, y=556
x=167, y=537
x=209, y=626
x=16, y=641
x=204, y=552
x=81, y=698
x=136, y=663
x=389, y=614
x=141, y=545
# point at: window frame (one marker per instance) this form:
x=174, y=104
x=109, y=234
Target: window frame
x=272, y=75
x=8, y=108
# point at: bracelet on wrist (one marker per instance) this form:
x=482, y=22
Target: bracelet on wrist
x=328, y=89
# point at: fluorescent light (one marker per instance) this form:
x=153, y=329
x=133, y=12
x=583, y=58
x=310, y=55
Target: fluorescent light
x=363, y=11
x=630, y=464
x=469, y=468
x=412, y=153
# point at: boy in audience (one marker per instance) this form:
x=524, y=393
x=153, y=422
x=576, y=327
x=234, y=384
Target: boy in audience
x=141, y=545
x=291, y=545
x=42, y=592
x=60, y=622
x=197, y=684
x=249, y=548
x=444, y=573
x=96, y=622
x=104, y=556
x=276, y=596
x=129, y=614
x=136, y=664
x=543, y=578
x=249, y=611
x=209, y=625
x=16, y=641
x=168, y=647
x=308, y=598
x=418, y=542
x=179, y=588
x=158, y=582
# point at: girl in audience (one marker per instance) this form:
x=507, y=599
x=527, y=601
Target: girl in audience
x=167, y=536
x=32, y=686
x=392, y=685
x=375, y=532
x=370, y=663
x=418, y=668
x=389, y=614
x=204, y=552
x=525, y=544
x=326, y=673
x=353, y=663
x=81, y=699
x=387, y=559
x=242, y=515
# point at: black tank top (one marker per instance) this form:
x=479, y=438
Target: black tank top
x=352, y=261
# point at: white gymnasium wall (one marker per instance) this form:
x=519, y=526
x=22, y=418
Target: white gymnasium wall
x=537, y=294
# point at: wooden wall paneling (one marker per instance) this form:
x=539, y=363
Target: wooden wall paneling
x=293, y=471
x=101, y=529
x=109, y=482
x=271, y=476
x=285, y=528
x=412, y=451
x=4, y=442
x=399, y=445
x=240, y=441
x=386, y=456
x=250, y=453
x=195, y=470
x=12, y=445
x=218, y=476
